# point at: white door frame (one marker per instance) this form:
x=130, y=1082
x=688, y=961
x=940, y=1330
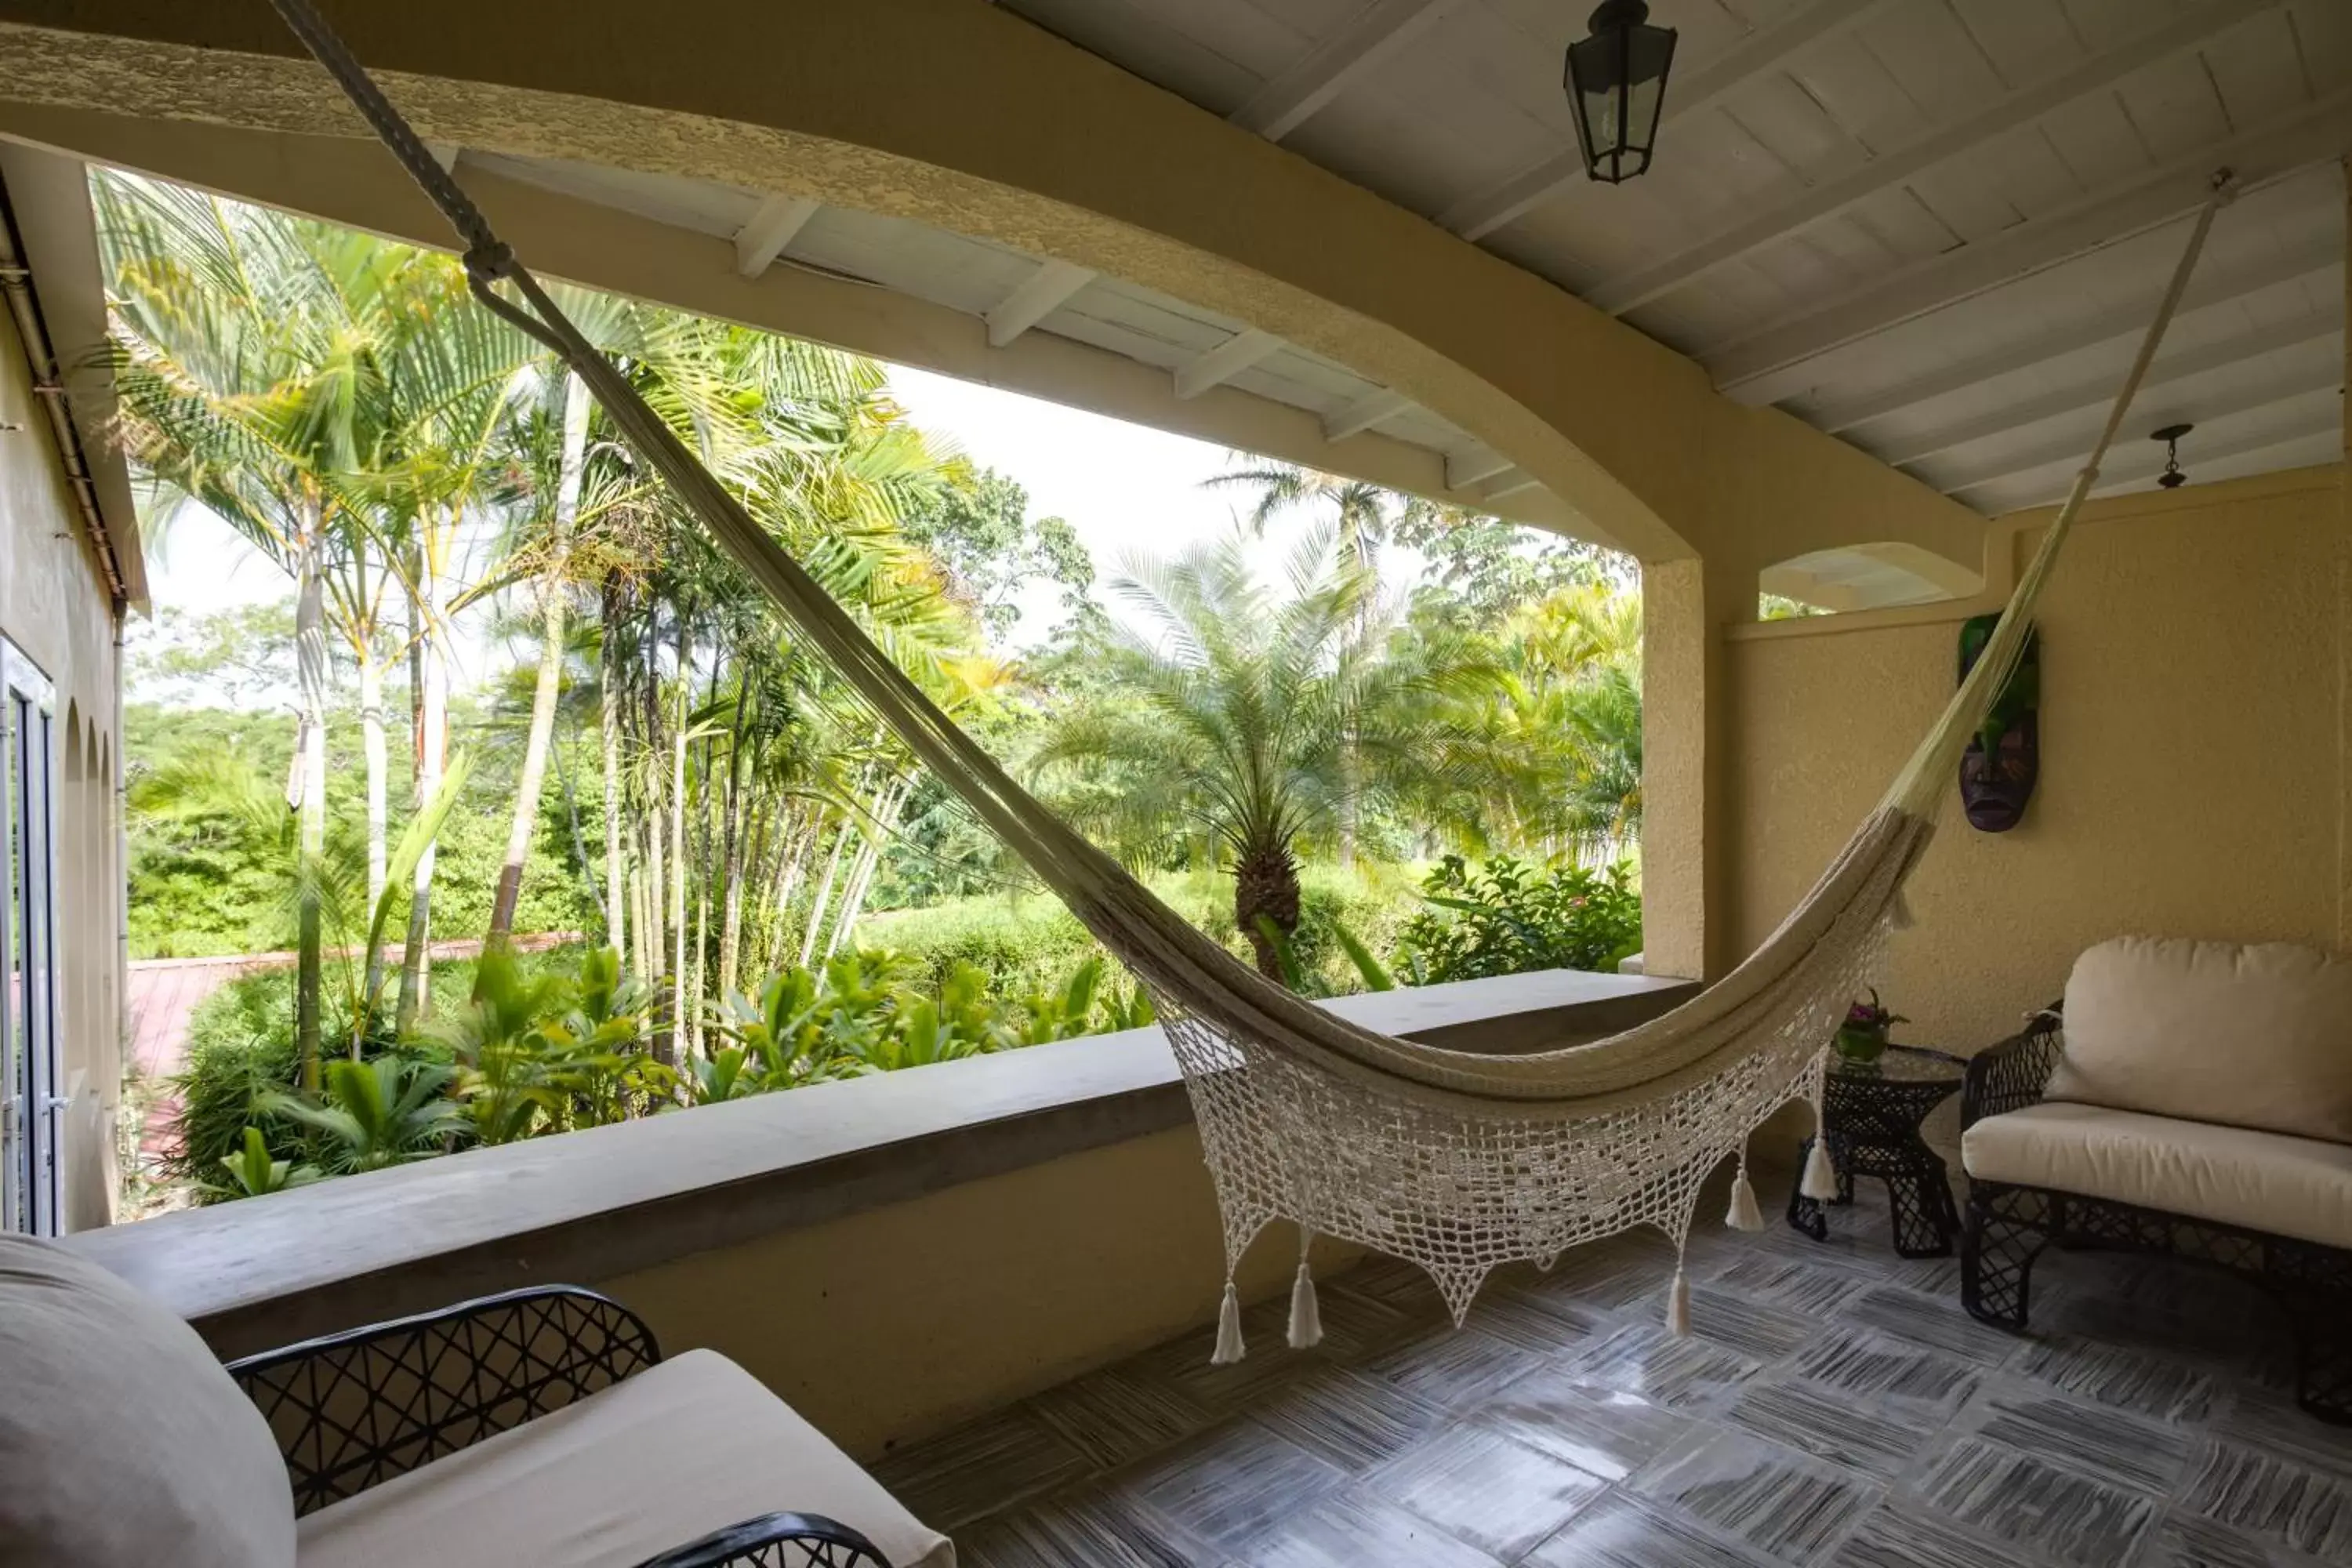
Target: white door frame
x=32, y=1109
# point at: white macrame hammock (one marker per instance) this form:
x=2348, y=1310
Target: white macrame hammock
x=1456, y=1161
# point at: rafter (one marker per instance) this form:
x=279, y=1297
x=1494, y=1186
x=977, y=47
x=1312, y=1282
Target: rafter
x=445, y=154
x=1038, y=296
x=1284, y=103
x=1632, y=291
x=768, y=230
x=1364, y=413
x=2123, y=320
x=1482, y=215
x=2051, y=454
x=2094, y=392
x=2317, y=131
x=1463, y=469
x=1514, y=483
x=1225, y=361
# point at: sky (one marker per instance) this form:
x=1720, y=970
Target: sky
x=1126, y=489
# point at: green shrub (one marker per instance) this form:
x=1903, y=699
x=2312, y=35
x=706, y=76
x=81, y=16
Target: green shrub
x=240, y=1051
x=1510, y=916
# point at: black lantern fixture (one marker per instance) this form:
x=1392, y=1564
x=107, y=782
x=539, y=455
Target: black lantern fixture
x=2172, y=478
x=1617, y=85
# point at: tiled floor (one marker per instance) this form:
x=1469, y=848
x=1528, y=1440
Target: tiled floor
x=1832, y=1406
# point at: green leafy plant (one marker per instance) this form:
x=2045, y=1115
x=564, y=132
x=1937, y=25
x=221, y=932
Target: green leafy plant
x=371, y=1115
x=254, y=1171
x=1510, y=916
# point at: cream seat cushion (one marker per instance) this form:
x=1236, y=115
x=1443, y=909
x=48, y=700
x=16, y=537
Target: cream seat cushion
x=650, y=1464
x=2234, y=1176
x=2256, y=1036
x=121, y=1438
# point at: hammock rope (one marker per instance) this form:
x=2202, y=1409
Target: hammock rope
x=1458, y=1161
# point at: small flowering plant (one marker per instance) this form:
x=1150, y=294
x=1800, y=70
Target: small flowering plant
x=1863, y=1037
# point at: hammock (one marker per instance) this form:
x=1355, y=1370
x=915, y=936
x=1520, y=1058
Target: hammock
x=1456, y=1161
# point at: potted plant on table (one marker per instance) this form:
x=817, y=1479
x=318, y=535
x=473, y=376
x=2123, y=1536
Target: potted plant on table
x=1862, y=1038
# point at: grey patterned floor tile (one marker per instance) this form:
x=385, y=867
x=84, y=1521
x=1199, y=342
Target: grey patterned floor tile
x=978, y=1468
x=1621, y=1532
x=2186, y=1541
x=1621, y=1273
x=1354, y=1327
x=2270, y=1496
x=1551, y=1325
x=1902, y=1535
x=1184, y=1366
x=1604, y=1431
x=1452, y=1367
x=1352, y=1531
x=1937, y=1324
x=2069, y=1517
x=2167, y=1390
x=1349, y=1417
x=1101, y=1529
x=1758, y=1332
x=1395, y=1284
x=2262, y=1418
x=1809, y=1290
x=1112, y=1417
x=1782, y=1503
x=1233, y=1485
x=1474, y=1482
x=1681, y=1372
x=1880, y=1436
x=1858, y=1363
x=2143, y=1455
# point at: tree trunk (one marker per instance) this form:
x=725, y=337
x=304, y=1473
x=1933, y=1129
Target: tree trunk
x=371, y=745
x=310, y=665
x=432, y=752
x=678, y=999
x=570, y=467
x=887, y=806
x=823, y=898
x=616, y=925
x=1265, y=882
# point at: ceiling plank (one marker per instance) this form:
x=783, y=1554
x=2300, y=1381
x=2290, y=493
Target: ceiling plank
x=2126, y=319
x=1632, y=291
x=2306, y=381
x=1479, y=215
x=1463, y=469
x=768, y=230
x=1513, y=483
x=1287, y=102
x=1364, y=413
x=2315, y=131
x=1225, y=361
x=1038, y=296
x=2097, y=392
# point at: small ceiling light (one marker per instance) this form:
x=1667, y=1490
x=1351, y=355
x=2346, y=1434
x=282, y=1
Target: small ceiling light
x=1617, y=85
x=2172, y=478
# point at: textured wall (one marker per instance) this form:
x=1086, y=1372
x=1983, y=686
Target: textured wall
x=54, y=607
x=2193, y=771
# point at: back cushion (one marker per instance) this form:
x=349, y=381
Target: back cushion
x=122, y=1439
x=2209, y=1031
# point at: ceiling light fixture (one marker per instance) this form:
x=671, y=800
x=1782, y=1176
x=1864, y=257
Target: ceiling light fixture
x=1616, y=83
x=2172, y=478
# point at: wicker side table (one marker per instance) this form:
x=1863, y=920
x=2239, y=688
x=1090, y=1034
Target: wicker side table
x=1871, y=1116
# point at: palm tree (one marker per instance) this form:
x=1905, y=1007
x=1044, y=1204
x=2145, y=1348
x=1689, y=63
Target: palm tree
x=1250, y=717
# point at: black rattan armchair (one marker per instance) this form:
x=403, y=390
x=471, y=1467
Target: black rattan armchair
x=2006, y=1226
x=354, y=1409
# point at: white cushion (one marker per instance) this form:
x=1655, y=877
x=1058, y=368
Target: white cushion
x=653, y=1462
x=2256, y=1036
x=2268, y=1182
x=121, y=1438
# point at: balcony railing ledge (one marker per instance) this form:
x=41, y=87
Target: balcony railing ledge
x=604, y=1202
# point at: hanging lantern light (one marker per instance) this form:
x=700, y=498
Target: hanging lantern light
x=1617, y=85
x=2172, y=478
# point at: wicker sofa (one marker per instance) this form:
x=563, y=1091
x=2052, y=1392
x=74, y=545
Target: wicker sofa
x=540, y=1426
x=2189, y=1098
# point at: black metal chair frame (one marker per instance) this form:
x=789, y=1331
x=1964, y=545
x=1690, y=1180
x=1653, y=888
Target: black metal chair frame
x=1873, y=1129
x=353, y=1410
x=2008, y=1226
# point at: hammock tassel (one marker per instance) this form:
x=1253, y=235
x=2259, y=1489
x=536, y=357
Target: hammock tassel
x=1745, y=1214
x=1306, y=1319
x=1230, y=1347
x=1678, y=1303
x=1821, y=1183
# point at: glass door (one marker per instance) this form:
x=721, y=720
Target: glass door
x=31, y=1108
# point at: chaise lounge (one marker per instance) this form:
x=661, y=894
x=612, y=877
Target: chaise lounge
x=2187, y=1097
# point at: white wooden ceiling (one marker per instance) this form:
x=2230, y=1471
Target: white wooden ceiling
x=1932, y=227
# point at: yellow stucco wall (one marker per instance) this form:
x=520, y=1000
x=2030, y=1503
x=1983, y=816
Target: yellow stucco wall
x=2194, y=768
x=897, y=1323
x=52, y=606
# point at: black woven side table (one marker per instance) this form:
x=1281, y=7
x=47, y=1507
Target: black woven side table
x=1871, y=1116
